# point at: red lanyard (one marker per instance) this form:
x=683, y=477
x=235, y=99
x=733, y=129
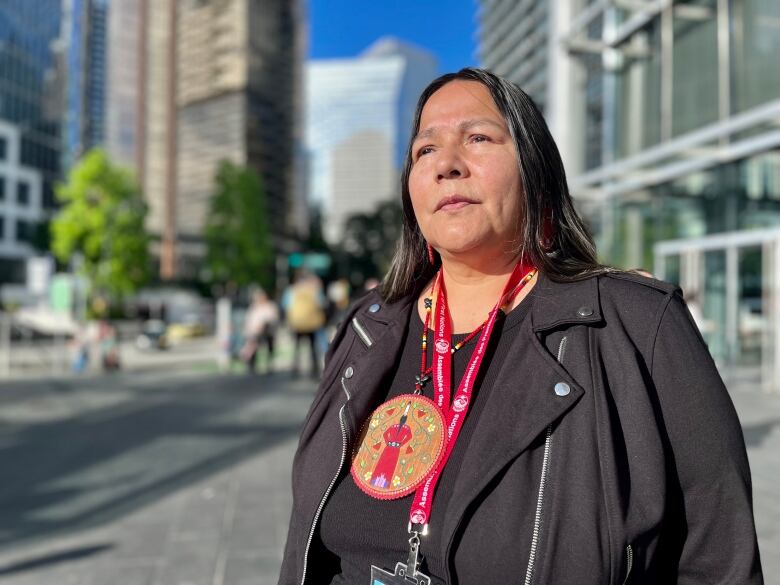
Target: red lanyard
x=455, y=413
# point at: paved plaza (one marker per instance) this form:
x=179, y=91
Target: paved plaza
x=181, y=477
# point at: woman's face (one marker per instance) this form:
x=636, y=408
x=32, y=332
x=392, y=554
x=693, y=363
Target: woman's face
x=465, y=183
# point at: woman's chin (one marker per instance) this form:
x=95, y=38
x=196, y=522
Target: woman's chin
x=466, y=247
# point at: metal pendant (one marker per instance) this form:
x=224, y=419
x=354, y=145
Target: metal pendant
x=400, y=444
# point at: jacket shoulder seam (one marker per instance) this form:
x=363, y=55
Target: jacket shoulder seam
x=658, y=285
x=656, y=329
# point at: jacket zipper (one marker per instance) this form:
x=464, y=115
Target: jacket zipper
x=561, y=348
x=539, y=500
x=332, y=482
x=629, y=562
x=362, y=333
x=529, y=574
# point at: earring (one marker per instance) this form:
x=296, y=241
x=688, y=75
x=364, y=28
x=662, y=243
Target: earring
x=431, y=257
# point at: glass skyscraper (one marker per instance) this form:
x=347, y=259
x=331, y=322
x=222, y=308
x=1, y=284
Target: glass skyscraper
x=30, y=107
x=84, y=46
x=29, y=90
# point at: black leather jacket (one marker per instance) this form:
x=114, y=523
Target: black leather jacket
x=634, y=472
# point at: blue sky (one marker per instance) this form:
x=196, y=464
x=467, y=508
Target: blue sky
x=343, y=28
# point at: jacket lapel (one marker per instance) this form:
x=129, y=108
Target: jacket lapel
x=372, y=370
x=523, y=402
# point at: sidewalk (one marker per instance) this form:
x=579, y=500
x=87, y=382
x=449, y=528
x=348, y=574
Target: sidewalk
x=228, y=526
x=760, y=417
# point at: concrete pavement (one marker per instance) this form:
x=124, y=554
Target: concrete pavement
x=171, y=477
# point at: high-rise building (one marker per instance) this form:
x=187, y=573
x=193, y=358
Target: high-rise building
x=206, y=81
x=83, y=42
x=669, y=135
x=21, y=205
x=358, y=121
x=124, y=83
x=30, y=107
x=519, y=40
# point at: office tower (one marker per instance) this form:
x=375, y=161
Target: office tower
x=30, y=109
x=83, y=42
x=358, y=121
x=214, y=80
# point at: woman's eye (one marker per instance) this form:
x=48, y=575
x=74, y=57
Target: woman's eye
x=424, y=150
x=479, y=138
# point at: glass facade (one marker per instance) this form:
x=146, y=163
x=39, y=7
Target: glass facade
x=756, y=45
x=85, y=85
x=677, y=158
x=741, y=195
x=29, y=93
x=677, y=139
x=515, y=37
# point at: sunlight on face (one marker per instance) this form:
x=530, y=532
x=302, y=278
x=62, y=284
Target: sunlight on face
x=465, y=182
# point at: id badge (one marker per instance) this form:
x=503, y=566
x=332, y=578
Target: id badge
x=382, y=577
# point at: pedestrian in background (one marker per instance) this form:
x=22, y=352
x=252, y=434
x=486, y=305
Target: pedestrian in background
x=262, y=319
x=304, y=304
x=505, y=409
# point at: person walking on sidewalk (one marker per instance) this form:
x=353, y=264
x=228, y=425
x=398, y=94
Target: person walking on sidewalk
x=262, y=319
x=304, y=303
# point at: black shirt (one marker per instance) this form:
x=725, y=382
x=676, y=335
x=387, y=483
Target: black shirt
x=356, y=530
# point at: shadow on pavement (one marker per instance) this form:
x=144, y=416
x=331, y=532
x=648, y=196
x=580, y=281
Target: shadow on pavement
x=54, y=558
x=69, y=474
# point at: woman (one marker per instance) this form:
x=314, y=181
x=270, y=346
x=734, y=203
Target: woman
x=565, y=424
x=260, y=330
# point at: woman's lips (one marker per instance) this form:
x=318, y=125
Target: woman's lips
x=454, y=206
x=453, y=203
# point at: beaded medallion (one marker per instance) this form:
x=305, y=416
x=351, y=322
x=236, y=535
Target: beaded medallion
x=400, y=444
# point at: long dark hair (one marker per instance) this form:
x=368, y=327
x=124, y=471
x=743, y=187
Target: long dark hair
x=571, y=254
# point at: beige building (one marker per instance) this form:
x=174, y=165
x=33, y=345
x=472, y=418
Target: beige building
x=217, y=80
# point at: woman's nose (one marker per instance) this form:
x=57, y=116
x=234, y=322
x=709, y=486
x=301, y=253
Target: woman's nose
x=449, y=165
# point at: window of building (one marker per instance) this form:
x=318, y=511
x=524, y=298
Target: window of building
x=24, y=231
x=22, y=193
x=3, y=148
x=638, y=88
x=2, y=188
x=695, y=70
x=2, y=229
x=755, y=46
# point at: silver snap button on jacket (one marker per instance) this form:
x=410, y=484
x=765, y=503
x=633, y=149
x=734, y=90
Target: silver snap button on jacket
x=562, y=389
x=349, y=372
x=584, y=311
x=374, y=308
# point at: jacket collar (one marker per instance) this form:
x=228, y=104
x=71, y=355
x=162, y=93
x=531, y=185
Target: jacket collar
x=564, y=303
x=556, y=304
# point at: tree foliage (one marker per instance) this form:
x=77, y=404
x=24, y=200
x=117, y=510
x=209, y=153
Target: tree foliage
x=370, y=239
x=102, y=218
x=237, y=233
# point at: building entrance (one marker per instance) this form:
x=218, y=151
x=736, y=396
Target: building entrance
x=731, y=282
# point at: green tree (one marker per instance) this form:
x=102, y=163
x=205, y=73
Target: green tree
x=102, y=219
x=237, y=234
x=369, y=242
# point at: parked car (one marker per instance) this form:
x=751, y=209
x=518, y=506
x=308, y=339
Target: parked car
x=154, y=335
x=191, y=326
